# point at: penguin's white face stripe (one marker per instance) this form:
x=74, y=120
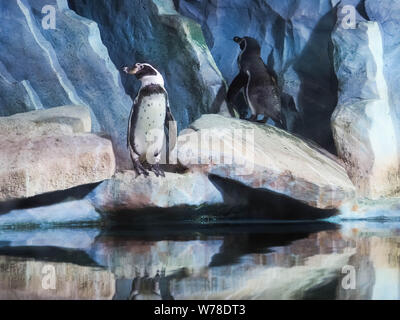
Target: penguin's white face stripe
x=148, y=65
x=151, y=79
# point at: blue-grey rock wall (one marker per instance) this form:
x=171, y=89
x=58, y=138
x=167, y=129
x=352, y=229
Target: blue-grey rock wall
x=70, y=65
x=296, y=43
x=61, y=66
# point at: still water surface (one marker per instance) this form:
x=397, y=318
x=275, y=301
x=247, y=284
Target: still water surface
x=241, y=261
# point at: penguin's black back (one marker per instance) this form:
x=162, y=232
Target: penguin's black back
x=251, y=61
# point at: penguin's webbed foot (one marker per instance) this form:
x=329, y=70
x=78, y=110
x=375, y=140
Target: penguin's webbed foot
x=140, y=169
x=157, y=170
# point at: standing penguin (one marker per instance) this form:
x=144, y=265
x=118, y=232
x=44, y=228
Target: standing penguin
x=149, y=116
x=260, y=86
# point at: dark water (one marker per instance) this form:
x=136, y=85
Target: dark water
x=350, y=260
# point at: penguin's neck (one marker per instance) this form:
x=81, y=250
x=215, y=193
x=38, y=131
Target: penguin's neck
x=152, y=80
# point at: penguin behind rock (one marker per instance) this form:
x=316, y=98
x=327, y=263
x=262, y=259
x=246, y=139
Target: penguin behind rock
x=149, y=116
x=259, y=84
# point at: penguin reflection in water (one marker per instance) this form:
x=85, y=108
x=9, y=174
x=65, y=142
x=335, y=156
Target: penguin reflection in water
x=260, y=86
x=149, y=117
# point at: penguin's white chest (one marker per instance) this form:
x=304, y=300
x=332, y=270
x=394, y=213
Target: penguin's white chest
x=149, y=128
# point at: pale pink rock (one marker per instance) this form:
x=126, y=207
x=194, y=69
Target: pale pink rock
x=50, y=150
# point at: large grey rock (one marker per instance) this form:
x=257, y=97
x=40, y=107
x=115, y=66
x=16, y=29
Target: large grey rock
x=153, y=32
x=365, y=122
x=127, y=191
x=266, y=158
x=296, y=43
x=68, y=65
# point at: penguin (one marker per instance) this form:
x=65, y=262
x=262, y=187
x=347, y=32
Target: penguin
x=259, y=83
x=149, y=115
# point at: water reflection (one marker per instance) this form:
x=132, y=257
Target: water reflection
x=276, y=261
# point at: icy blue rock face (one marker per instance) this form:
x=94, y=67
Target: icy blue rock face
x=295, y=38
x=26, y=55
x=16, y=96
x=153, y=32
x=67, y=65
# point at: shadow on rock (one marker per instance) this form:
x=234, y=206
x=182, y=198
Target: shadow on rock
x=319, y=85
x=265, y=204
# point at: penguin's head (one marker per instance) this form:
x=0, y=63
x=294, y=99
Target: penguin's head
x=248, y=44
x=146, y=73
x=240, y=41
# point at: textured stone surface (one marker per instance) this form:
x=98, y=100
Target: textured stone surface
x=152, y=31
x=63, y=120
x=126, y=191
x=265, y=157
x=365, y=122
x=49, y=150
x=31, y=166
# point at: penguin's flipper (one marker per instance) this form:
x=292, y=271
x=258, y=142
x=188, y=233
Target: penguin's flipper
x=170, y=124
x=237, y=84
x=272, y=73
x=128, y=134
x=132, y=120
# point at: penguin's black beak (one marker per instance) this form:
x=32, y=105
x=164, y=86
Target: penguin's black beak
x=237, y=39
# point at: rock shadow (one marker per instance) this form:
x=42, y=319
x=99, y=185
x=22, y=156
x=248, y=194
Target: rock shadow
x=264, y=204
x=318, y=93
